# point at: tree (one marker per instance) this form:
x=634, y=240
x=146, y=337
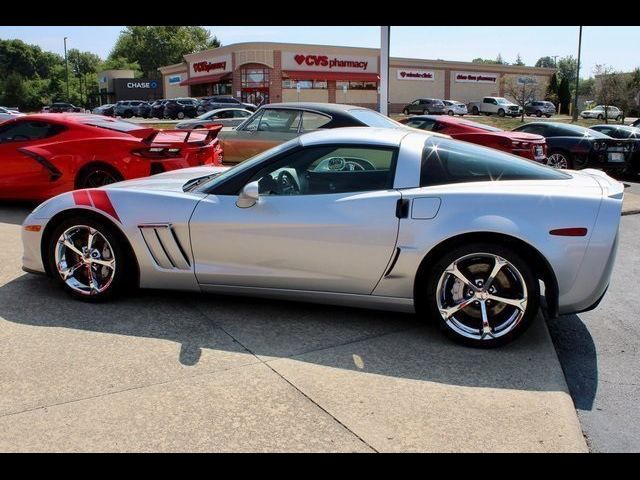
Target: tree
x=14, y=91
x=522, y=89
x=84, y=66
x=552, y=90
x=612, y=89
x=564, y=95
x=568, y=68
x=155, y=46
x=546, y=62
x=498, y=60
x=121, y=63
x=519, y=61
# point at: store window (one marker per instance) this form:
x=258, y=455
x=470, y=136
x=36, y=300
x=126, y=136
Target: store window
x=254, y=83
x=208, y=89
x=357, y=85
x=305, y=84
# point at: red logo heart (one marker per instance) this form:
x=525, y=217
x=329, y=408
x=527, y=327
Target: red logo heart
x=300, y=59
x=402, y=74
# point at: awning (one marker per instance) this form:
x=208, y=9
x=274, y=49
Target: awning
x=340, y=76
x=206, y=79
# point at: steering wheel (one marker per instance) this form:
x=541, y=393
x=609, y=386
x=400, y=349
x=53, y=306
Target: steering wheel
x=287, y=183
x=350, y=166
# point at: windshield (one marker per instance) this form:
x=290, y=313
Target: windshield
x=247, y=164
x=374, y=119
x=503, y=101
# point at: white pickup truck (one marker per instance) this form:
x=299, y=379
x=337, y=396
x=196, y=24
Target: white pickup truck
x=494, y=105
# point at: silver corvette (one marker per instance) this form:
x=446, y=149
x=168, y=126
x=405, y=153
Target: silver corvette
x=382, y=218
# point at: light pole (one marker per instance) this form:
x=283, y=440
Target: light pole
x=574, y=115
x=66, y=67
x=384, y=70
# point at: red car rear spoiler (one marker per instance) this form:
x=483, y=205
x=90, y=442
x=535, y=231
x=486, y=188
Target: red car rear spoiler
x=148, y=135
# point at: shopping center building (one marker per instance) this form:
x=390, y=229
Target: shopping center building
x=260, y=72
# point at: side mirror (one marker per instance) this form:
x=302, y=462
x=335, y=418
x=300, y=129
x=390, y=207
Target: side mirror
x=249, y=195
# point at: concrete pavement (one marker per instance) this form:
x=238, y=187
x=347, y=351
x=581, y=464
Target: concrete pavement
x=161, y=371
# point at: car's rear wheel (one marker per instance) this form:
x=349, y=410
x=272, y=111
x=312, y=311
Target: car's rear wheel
x=425, y=112
x=95, y=176
x=559, y=159
x=88, y=259
x=484, y=295
x=548, y=115
x=538, y=113
x=600, y=116
x=180, y=115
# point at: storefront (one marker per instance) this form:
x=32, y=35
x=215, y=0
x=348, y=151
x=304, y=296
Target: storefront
x=262, y=72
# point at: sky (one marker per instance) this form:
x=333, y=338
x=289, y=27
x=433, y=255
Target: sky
x=615, y=47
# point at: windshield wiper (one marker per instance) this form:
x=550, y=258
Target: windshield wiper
x=193, y=184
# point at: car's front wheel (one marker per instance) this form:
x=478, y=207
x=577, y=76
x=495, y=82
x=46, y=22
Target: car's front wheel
x=86, y=256
x=501, y=113
x=450, y=113
x=483, y=295
x=405, y=112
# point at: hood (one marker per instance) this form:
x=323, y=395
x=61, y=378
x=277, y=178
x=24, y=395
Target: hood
x=168, y=181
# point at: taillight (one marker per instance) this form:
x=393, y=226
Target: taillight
x=157, y=152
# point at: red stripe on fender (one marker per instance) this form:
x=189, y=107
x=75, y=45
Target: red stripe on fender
x=569, y=232
x=81, y=197
x=101, y=201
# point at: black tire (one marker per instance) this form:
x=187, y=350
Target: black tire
x=538, y=113
x=97, y=175
x=128, y=114
x=450, y=113
x=568, y=158
x=548, y=115
x=405, y=112
x=488, y=114
x=600, y=116
x=123, y=274
x=425, y=112
x=180, y=115
x=475, y=111
x=528, y=114
x=501, y=113
x=481, y=252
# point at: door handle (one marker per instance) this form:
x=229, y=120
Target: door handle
x=402, y=208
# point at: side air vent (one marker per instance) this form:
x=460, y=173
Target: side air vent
x=164, y=246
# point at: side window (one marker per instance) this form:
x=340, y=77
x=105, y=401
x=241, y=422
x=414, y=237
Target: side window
x=421, y=123
x=224, y=114
x=313, y=121
x=282, y=121
x=328, y=170
x=25, y=131
x=415, y=102
x=241, y=114
x=536, y=129
x=252, y=125
x=445, y=162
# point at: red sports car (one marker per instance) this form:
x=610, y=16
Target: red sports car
x=527, y=145
x=43, y=155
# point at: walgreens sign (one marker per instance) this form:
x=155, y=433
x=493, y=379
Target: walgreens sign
x=475, y=77
x=415, y=75
x=329, y=63
x=211, y=66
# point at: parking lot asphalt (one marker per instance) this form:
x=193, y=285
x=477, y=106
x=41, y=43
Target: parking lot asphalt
x=161, y=371
x=599, y=352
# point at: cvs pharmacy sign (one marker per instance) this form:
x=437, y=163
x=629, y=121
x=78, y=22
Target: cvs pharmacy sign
x=320, y=62
x=474, y=77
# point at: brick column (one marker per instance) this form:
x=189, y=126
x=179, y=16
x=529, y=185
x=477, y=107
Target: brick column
x=500, y=85
x=331, y=85
x=447, y=84
x=275, y=87
x=236, y=82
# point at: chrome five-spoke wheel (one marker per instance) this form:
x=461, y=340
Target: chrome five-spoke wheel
x=85, y=260
x=558, y=160
x=482, y=296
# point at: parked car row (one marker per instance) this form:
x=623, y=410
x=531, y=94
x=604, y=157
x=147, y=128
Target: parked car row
x=7, y=113
x=174, y=108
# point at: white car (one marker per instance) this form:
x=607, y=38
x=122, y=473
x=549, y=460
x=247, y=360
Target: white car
x=8, y=114
x=612, y=113
x=495, y=105
x=453, y=107
x=395, y=219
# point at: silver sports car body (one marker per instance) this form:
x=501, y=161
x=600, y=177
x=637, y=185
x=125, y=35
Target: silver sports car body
x=384, y=218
